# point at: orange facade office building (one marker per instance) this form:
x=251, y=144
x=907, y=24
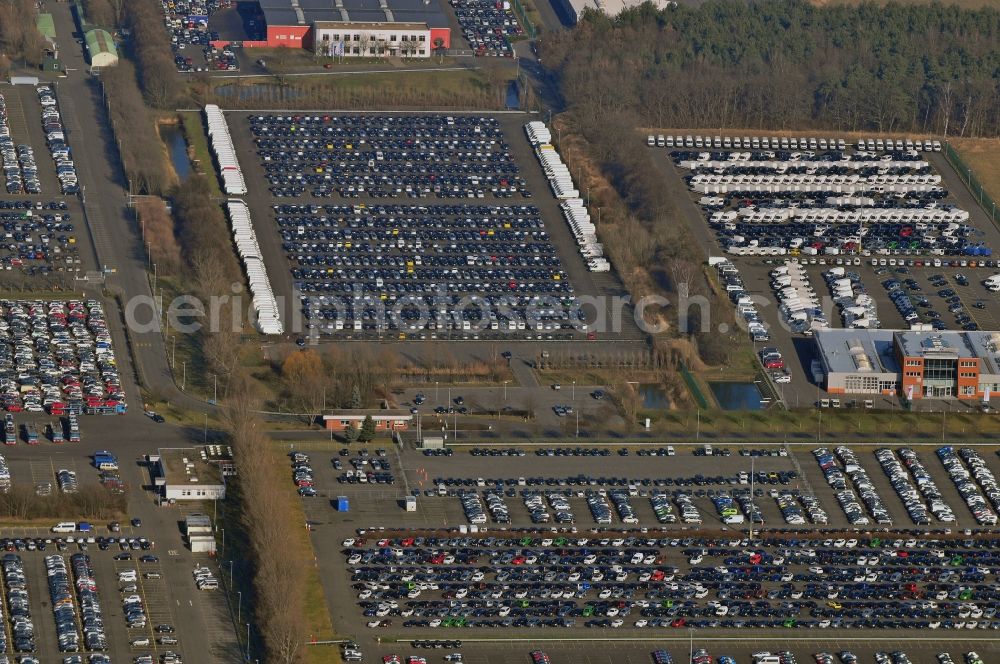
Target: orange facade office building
x=911, y=364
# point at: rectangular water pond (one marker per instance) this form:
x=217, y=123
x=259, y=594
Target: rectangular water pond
x=737, y=396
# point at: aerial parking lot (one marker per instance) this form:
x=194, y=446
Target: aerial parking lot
x=816, y=233
x=531, y=547
x=413, y=227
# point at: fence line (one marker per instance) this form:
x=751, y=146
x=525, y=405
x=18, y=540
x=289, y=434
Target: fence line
x=522, y=15
x=971, y=182
x=692, y=385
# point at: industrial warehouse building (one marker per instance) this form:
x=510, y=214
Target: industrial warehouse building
x=356, y=28
x=911, y=364
x=189, y=473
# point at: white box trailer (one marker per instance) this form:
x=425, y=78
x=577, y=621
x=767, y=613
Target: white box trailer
x=202, y=544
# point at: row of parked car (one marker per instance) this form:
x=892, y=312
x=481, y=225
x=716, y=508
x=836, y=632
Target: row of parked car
x=19, y=166
x=302, y=474
x=22, y=628
x=746, y=309
x=967, y=487
x=63, y=608
x=798, y=302
x=40, y=239
x=8, y=154
x=91, y=618
x=488, y=26
x=913, y=500
x=513, y=580
x=428, y=270
x=186, y=21
x=857, y=308
x=58, y=356
x=836, y=478
x=55, y=138
x=379, y=156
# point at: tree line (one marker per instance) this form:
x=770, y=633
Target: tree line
x=19, y=38
x=149, y=45
x=139, y=143
x=271, y=525
x=781, y=64
x=90, y=502
x=332, y=376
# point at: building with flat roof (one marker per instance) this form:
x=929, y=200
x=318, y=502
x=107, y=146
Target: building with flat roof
x=184, y=473
x=385, y=419
x=357, y=28
x=612, y=8
x=911, y=364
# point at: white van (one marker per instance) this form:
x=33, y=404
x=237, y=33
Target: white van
x=64, y=527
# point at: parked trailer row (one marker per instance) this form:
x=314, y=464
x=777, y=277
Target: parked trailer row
x=789, y=143
x=264, y=302
x=561, y=182
x=233, y=182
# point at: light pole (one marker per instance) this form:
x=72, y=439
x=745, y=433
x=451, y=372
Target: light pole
x=230, y=573
x=574, y=392
x=248, y=640
x=206, y=427
x=184, y=376
x=239, y=607
x=691, y=644
x=437, y=400
x=215, y=388
x=505, y=391
x=173, y=351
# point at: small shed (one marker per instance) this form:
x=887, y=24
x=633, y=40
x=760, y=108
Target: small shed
x=101, y=49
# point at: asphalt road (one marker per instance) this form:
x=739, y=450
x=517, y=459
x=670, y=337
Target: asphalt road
x=116, y=234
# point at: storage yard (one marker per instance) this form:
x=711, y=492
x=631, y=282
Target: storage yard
x=810, y=234
x=529, y=546
x=416, y=227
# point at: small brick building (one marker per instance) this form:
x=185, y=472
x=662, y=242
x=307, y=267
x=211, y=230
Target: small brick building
x=384, y=419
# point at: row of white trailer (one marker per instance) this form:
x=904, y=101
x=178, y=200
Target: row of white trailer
x=264, y=302
x=854, y=162
x=832, y=215
x=857, y=308
x=572, y=205
x=233, y=182
x=585, y=233
x=555, y=170
x=789, y=143
x=711, y=183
